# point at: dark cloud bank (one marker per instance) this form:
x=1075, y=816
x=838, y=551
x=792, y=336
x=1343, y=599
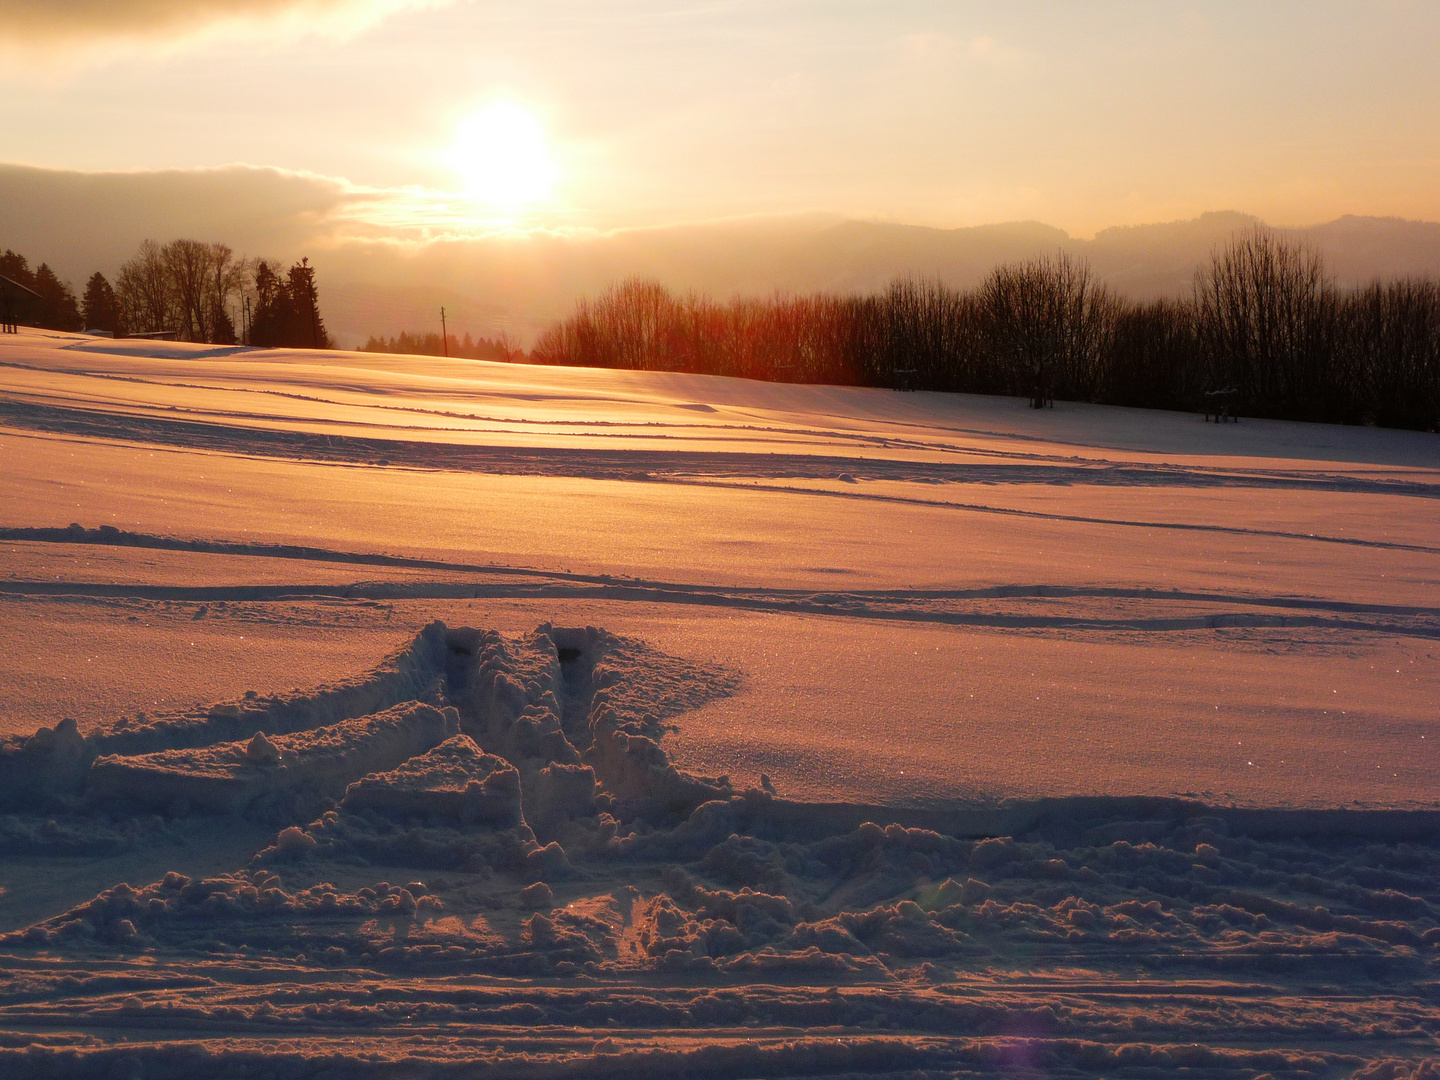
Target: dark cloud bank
x=80, y=222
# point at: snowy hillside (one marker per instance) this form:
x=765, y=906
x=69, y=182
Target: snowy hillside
x=380, y=715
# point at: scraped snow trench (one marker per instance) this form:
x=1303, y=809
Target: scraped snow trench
x=478, y=860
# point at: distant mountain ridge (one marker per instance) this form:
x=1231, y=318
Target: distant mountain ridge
x=1142, y=261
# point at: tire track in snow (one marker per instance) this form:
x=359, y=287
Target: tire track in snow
x=109, y=536
x=1080, y=519
x=593, y=428
x=750, y=601
x=608, y=464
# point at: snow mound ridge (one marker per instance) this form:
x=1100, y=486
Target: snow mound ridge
x=50, y=768
x=293, y=769
x=456, y=781
x=32, y=770
x=414, y=672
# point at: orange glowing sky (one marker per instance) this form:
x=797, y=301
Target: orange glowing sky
x=603, y=115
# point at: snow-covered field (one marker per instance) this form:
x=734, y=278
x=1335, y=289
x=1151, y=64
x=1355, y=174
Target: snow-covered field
x=762, y=730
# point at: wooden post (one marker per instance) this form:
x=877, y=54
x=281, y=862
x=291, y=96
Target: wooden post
x=444, y=336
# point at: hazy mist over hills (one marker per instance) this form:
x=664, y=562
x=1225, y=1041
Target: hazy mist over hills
x=381, y=272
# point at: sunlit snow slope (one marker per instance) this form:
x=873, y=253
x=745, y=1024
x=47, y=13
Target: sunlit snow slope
x=433, y=719
x=926, y=596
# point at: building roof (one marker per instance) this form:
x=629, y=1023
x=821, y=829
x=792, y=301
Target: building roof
x=15, y=284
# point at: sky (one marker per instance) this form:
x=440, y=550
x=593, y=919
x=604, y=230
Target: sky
x=453, y=118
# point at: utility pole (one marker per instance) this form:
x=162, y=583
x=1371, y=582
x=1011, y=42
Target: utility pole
x=444, y=336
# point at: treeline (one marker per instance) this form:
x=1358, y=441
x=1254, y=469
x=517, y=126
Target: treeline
x=187, y=289
x=1264, y=319
x=501, y=348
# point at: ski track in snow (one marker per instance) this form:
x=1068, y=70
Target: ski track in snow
x=479, y=857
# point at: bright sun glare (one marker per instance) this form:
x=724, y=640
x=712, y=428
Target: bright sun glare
x=501, y=156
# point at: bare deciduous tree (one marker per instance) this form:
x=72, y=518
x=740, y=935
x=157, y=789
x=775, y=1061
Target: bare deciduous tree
x=203, y=279
x=186, y=287
x=1266, y=318
x=144, y=291
x=1388, y=354
x=1050, y=322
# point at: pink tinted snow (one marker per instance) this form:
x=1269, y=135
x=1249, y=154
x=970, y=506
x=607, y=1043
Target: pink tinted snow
x=1297, y=664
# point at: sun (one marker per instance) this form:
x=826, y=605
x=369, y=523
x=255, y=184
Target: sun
x=501, y=156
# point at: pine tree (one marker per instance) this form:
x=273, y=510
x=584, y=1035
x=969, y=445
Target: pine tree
x=58, y=309
x=100, y=310
x=270, y=321
x=17, y=269
x=222, y=327
x=308, y=328
x=17, y=308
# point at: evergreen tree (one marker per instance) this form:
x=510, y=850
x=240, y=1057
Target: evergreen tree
x=501, y=348
x=17, y=269
x=226, y=276
x=58, y=309
x=307, y=329
x=272, y=315
x=99, y=307
x=222, y=327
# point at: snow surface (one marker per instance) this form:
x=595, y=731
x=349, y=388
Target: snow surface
x=803, y=730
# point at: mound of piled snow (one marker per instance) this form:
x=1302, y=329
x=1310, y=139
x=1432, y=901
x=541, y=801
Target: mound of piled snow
x=414, y=672
x=561, y=791
x=456, y=780
x=50, y=768
x=231, y=777
x=637, y=771
x=32, y=769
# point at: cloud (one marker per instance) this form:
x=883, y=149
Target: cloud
x=74, y=219
x=945, y=49
x=66, y=22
